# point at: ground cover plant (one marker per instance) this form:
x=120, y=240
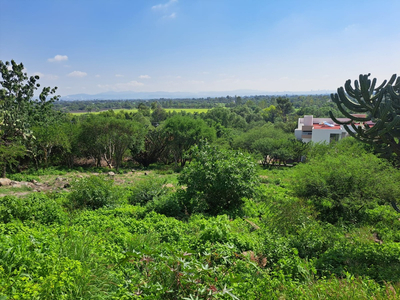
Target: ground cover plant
x=282, y=245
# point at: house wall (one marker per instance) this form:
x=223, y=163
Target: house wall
x=323, y=135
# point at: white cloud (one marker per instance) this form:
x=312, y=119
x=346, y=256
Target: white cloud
x=196, y=82
x=120, y=87
x=171, y=16
x=119, y=75
x=58, y=58
x=164, y=6
x=47, y=76
x=97, y=76
x=77, y=74
x=51, y=76
x=144, y=77
x=132, y=83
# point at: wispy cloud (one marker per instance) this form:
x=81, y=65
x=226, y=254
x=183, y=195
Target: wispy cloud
x=162, y=6
x=77, y=74
x=97, y=76
x=144, y=77
x=47, y=76
x=119, y=87
x=51, y=76
x=58, y=58
x=171, y=16
x=166, y=9
x=119, y=75
x=38, y=74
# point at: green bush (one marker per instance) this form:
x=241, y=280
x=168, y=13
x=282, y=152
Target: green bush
x=167, y=204
x=342, y=185
x=35, y=207
x=145, y=190
x=217, y=180
x=379, y=262
x=93, y=192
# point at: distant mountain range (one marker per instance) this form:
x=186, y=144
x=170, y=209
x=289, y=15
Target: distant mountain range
x=180, y=95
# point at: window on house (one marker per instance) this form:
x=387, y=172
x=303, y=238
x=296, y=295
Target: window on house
x=334, y=137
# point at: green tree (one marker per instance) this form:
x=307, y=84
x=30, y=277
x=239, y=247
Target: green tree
x=109, y=138
x=144, y=109
x=184, y=132
x=18, y=109
x=155, y=147
x=217, y=180
x=270, y=113
x=373, y=112
x=284, y=106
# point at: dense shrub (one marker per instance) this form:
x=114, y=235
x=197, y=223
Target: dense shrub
x=343, y=185
x=93, y=192
x=217, y=180
x=379, y=262
x=167, y=204
x=35, y=207
x=145, y=190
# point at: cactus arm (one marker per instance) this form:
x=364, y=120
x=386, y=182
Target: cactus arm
x=394, y=205
x=371, y=89
x=337, y=121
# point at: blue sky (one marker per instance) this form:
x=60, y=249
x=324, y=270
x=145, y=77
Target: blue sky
x=91, y=47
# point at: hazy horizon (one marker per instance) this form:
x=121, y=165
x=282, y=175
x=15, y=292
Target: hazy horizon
x=199, y=46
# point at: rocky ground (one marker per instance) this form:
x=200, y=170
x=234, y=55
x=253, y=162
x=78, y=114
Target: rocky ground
x=49, y=183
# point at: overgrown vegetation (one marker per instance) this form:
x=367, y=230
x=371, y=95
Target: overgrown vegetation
x=224, y=227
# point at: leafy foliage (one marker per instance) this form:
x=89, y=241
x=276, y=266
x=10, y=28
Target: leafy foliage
x=184, y=132
x=18, y=110
x=35, y=207
x=342, y=185
x=93, y=192
x=217, y=180
x=146, y=190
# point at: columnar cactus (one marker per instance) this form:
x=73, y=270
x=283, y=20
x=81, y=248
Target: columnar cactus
x=381, y=105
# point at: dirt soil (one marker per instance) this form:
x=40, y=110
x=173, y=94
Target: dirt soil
x=53, y=183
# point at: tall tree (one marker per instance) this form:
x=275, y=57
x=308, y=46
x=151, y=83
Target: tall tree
x=284, y=106
x=18, y=109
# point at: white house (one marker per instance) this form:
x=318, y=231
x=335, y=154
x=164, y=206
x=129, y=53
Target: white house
x=321, y=129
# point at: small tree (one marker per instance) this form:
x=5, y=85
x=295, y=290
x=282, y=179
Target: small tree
x=184, y=132
x=217, y=180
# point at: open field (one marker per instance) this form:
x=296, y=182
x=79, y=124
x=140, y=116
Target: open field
x=188, y=110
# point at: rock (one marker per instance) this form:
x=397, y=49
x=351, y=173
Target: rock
x=111, y=174
x=5, y=181
x=34, y=181
x=59, y=179
x=67, y=185
x=79, y=176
